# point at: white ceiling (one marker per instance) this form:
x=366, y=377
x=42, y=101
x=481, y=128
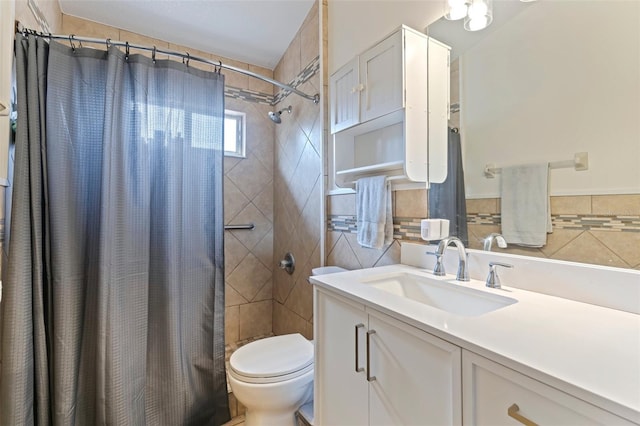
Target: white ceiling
x=453, y=33
x=254, y=31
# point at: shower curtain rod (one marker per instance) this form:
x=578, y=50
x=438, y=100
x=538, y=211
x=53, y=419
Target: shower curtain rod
x=185, y=56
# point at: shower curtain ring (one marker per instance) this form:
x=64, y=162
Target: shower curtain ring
x=73, y=46
x=187, y=59
x=153, y=55
x=126, y=50
x=107, y=42
x=219, y=66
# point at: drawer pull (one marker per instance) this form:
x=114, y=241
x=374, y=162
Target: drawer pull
x=513, y=412
x=370, y=378
x=358, y=368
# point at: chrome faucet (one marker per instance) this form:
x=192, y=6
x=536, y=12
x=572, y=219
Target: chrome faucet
x=502, y=243
x=493, y=281
x=463, y=273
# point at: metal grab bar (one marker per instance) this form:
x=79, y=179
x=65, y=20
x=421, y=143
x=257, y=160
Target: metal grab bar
x=248, y=226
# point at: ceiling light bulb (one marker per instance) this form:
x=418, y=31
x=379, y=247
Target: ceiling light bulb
x=478, y=9
x=479, y=16
x=479, y=23
x=455, y=9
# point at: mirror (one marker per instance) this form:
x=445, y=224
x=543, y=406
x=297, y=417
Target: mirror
x=549, y=79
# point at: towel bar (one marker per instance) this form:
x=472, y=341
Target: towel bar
x=579, y=163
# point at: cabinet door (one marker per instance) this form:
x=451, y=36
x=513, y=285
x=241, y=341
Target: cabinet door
x=417, y=376
x=341, y=389
x=381, y=74
x=495, y=395
x=345, y=97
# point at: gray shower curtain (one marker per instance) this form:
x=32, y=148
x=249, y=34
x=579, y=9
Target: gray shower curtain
x=113, y=304
x=447, y=200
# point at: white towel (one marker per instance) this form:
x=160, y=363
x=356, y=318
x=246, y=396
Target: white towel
x=373, y=209
x=526, y=210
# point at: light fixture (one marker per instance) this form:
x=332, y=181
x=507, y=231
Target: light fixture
x=455, y=9
x=477, y=14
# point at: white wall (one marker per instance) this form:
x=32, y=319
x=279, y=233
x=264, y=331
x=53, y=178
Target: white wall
x=355, y=25
x=562, y=77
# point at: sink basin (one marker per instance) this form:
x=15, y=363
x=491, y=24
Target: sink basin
x=440, y=294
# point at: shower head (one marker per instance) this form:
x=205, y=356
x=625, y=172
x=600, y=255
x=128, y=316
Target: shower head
x=275, y=116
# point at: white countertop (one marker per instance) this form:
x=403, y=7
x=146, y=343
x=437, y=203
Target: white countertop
x=589, y=351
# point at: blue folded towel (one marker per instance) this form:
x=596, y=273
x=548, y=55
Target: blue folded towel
x=373, y=209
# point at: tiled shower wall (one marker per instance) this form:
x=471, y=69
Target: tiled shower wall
x=248, y=187
x=297, y=184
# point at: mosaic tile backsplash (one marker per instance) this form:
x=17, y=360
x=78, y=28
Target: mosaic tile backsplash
x=603, y=230
x=408, y=228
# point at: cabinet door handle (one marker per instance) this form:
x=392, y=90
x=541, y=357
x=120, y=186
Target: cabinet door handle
x=513, y=412
x=370, y=378
x=358, y=368
x=357, y=89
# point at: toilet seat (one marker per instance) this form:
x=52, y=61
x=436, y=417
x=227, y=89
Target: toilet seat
x=272, y=360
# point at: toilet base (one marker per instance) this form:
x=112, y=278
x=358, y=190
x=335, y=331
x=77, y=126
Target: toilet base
x=273, y=404
x=269, y=419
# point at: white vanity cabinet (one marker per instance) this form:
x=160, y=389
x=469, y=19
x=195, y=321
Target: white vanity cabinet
x=389, y=108
x=496, y=395
x=374, y=370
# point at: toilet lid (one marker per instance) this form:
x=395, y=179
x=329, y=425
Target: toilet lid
x=273, y=356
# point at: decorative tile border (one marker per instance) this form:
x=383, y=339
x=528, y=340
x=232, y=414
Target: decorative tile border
x=597, y=223
x=404, y=228
x=304, y=76
x=483, y=219
x=408, y=228
x=266, y=99
x=342, y=223
x=248, y=95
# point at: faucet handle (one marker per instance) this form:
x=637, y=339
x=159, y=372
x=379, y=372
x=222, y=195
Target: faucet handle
x=493, y=281
x=438, y=269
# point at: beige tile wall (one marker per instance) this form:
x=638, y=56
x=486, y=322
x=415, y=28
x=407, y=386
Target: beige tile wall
x=49, y=8
x=248, y=186
x=596, y=246
x=297, y=185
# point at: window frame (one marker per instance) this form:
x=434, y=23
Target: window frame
x=240, y=119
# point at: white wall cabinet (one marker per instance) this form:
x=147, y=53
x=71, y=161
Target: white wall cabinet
x=345, y=97
x=389, y=111
x=496, y=395
x=381, y=75
x=374, y=370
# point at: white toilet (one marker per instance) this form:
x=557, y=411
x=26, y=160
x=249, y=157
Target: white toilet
x=272, y=378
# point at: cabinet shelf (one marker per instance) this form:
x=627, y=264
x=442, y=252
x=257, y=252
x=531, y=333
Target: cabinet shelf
x=393, y=169
x=374, y=169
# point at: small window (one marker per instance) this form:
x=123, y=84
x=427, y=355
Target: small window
x=234, y=133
